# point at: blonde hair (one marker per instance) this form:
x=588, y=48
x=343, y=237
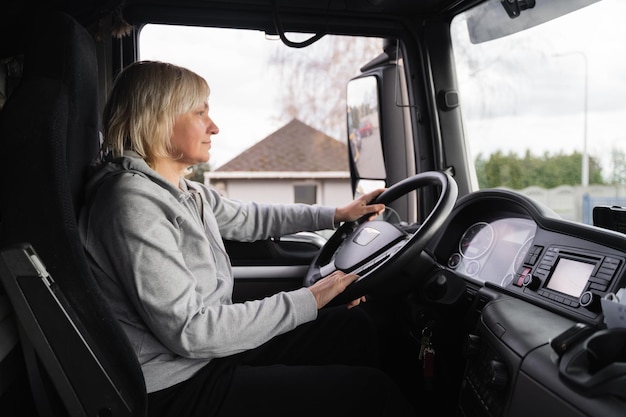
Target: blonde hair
x=142, y=107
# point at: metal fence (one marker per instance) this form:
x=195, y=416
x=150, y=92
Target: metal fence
x=589, y=202
x=575, y=203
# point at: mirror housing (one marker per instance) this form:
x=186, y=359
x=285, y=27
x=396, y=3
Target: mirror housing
x=381, y=93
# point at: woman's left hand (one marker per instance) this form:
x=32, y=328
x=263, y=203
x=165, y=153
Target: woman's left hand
x=359, y=208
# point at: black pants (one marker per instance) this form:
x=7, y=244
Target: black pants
x=328, y=367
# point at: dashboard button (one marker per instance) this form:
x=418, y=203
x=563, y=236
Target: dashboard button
x=522, y=277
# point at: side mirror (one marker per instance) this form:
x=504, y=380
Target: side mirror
x=364, y=137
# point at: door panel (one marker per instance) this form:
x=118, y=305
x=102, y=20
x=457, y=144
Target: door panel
x=266, y=267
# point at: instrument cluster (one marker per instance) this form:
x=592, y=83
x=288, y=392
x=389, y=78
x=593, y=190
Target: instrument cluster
x=493, y=251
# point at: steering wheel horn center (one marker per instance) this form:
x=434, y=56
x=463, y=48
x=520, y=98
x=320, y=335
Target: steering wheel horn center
x=366, y=236
x=370, y=239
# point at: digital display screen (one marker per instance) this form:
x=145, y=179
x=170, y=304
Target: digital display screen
x=570, y=276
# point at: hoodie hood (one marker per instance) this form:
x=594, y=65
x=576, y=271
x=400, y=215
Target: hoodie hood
x=129, y=162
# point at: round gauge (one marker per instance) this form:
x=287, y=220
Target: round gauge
x=476, y=240
x=472, y=268
x=454, y=260
x=508, y=278
x=521, y=253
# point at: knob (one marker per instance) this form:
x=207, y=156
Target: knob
x=497, y=375
x=531, y=282
x=589, y=300
x=437, y=287
x=472, y=346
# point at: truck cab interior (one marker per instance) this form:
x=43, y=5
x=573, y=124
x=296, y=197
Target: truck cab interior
x=510, y=302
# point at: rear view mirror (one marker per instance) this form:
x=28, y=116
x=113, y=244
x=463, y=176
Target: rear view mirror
x=494, y=19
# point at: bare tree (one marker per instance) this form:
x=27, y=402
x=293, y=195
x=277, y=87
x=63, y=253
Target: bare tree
x=314, y=80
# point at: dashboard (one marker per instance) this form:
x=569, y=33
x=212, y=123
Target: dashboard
x=506, y=241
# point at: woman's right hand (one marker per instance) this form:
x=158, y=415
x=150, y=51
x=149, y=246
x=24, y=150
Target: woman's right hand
x=332, y=285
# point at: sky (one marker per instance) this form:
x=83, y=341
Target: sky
x=530, y=96
x=243, y=96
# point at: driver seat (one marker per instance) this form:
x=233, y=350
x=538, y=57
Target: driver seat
x=78, y=358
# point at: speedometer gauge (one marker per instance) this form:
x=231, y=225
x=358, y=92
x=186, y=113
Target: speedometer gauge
x=476, y=240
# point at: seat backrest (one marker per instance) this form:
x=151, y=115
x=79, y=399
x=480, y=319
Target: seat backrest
x=68, y=354
x=48, y=137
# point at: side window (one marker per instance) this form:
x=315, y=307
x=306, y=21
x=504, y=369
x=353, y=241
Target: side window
x=305, y=193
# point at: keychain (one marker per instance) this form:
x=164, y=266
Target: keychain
x=429, y=362
x=427, y=356
x=424, y=341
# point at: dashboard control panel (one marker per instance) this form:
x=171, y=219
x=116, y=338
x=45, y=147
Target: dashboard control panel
x=572, y=278
x=506, y=242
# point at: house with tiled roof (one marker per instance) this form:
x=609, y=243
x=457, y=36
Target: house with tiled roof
x=296, y=163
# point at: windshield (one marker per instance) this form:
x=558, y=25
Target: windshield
x=544, y=109
x=280, y=110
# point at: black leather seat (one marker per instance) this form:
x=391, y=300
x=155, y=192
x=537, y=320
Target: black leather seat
x=48, y=136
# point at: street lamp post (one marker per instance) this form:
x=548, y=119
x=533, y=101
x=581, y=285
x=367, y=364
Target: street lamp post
x=585, y=167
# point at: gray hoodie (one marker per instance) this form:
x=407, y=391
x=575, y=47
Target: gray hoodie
x=157, y=253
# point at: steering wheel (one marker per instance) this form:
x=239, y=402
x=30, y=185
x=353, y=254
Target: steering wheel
x=374, y=249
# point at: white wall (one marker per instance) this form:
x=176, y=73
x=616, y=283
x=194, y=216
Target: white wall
x=330, y=192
